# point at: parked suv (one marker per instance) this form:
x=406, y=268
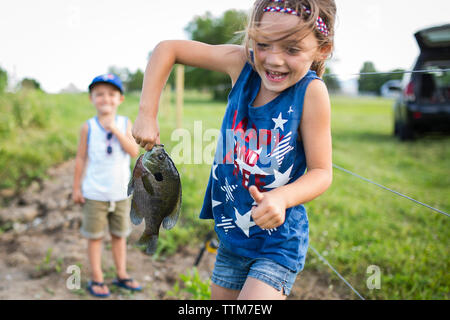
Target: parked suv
x=424, y=104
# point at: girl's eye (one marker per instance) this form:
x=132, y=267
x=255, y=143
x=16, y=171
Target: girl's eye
x=293, y=50
x=262, y=46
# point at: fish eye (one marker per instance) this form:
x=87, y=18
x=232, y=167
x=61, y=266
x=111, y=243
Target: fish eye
x=161, y=156
x=158, y=176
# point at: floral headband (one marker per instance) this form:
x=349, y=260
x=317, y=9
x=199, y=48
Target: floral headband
x=321, y=26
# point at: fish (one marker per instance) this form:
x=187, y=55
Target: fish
x=156, y=189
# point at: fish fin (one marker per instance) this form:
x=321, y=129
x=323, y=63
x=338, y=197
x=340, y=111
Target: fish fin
x=170, y=221
x=136, y=172
x=147, y=184
x=151, y=241
x=130, y=189
x=135, y=216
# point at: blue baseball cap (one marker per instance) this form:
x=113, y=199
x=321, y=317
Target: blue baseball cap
x=107, y=78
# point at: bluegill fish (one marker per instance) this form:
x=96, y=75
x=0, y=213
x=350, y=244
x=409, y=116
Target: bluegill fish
x=156, y=189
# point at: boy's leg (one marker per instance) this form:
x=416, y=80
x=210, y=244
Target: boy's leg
x=95, y=261
x=255, y=289
x=93, y=225
x=119, y=251
x=119, y=227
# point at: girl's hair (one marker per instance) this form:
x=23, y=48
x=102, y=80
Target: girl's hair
x=325, y=9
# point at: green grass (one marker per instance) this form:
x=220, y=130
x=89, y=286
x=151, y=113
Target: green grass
x=357, y=224
x=354, y=224
x=38, y=130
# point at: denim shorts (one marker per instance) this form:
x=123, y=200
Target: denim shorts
x=231, y=271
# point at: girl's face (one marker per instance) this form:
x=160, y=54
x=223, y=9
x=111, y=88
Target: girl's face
x=105, y=98
x=282, y=63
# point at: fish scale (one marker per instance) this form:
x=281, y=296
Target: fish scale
x=156, y=189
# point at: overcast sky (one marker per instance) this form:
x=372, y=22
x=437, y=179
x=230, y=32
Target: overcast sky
x=60, y=42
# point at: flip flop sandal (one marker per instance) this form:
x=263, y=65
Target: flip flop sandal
x=123, y=284
x=99, y=284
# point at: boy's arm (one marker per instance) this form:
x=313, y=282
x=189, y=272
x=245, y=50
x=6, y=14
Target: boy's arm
x=126, y=140
x=315, y=131
x=228, y=59
x=80, y=163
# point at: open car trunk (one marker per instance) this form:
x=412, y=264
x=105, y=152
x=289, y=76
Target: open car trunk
x=434, y=40
x=433, y=89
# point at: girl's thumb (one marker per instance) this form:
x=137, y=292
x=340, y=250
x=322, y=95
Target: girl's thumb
x=256, y=195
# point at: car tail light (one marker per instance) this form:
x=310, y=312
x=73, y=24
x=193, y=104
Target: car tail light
x=409, y=92
x=417, y=115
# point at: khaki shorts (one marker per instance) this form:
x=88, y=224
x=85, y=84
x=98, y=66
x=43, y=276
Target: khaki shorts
x=97, y=214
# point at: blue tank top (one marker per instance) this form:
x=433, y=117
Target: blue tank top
x=258, y=146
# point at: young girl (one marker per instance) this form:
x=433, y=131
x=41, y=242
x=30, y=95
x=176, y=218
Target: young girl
x=278, y=118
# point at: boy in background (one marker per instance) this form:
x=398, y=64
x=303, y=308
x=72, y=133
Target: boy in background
x=104, y=151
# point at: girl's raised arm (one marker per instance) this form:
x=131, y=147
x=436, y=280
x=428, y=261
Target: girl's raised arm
x=229, y=59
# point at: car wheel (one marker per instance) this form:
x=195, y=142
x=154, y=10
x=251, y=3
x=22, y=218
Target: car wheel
x=405, y=132
x=396, y=129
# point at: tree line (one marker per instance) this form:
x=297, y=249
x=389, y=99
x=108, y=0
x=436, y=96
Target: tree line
x=26, y=83
x=372, y=83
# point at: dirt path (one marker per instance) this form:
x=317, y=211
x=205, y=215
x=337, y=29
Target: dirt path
x=42, y=240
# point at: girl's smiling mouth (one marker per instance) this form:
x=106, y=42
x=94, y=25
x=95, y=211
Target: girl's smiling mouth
x=276, y=76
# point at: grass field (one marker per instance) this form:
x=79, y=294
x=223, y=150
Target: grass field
x=353, y=225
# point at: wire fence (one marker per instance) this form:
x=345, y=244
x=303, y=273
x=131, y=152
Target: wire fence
x=390, y=190
x=385, y=73
x=385, y=188
x=325, y=261
x=335, y=271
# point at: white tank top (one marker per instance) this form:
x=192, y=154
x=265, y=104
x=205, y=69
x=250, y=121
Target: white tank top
x=107, y=175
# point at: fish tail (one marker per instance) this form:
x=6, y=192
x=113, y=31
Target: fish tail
x=151, y=241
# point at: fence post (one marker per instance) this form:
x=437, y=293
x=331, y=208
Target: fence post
x=180, y=93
